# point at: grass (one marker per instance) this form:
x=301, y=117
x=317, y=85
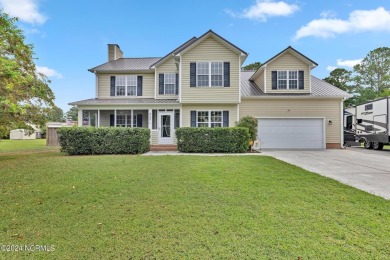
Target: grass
x=24, y=145
x=184, y=207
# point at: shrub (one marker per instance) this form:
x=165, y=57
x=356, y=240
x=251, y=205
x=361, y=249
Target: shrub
x=250, y=123
x=212, y=140
x=104, y=140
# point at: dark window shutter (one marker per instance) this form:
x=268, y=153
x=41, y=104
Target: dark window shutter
x=139, y=86
x=274, y=80
x=139, y=120
x=192, y=74
x=161, y=84
x=177, y=84
x=112, y=87
x=193, y=118
x=225, y=118
x=112, y=120
x=226, y=74
x=300, y=79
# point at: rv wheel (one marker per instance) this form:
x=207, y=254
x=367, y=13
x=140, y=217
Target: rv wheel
x=377, y=146
x=367, y=145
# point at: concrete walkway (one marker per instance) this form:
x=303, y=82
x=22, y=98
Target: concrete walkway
x=158, y=153
x=367, y=170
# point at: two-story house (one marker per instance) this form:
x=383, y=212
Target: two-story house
x=201, y=84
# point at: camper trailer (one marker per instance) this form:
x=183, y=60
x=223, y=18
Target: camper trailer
x=369, y=122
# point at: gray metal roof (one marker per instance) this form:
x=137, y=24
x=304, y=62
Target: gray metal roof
x=319, y=88
x=126, y=64
x=124, y=101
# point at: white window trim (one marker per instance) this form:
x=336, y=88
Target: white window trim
x=174, y=84
x=209, y=116
x=136, y=86
x=209, y=62
x=133, y=120
x=287, y=79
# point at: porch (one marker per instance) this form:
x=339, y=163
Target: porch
x=161, y=122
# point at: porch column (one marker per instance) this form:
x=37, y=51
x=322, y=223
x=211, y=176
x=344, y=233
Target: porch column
x=115, y=118
x=98, y=118
x=80, y=118
x=131, y=120
x=150, y=114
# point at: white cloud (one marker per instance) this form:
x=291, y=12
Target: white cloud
x=26, y=10
x=263, y=9
x=348, y=63
x=331, y=68
x=50, y=73
x=328, y=14
x=358, y=21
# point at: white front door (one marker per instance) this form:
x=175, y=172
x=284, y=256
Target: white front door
x=165, y=127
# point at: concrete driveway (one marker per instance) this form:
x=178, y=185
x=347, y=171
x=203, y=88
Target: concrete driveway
x=367, y=170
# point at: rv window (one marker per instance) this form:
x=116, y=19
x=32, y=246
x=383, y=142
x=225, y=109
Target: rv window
x=368, y=107
x=369, y=128
x=359, y=121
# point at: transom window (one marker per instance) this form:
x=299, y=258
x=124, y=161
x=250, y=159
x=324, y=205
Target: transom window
x=287, y=79
x=169, y=83
x=209, y=119
x=126, y=85
x=124, y=120
x=209, y=74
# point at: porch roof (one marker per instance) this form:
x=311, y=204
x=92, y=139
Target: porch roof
x=124, y=101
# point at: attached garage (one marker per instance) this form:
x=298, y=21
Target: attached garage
x=291, y=133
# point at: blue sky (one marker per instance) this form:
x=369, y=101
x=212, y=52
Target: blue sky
x=72, y=36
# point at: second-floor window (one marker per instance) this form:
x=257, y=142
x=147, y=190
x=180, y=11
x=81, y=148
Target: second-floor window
x=169, y=83
x=126, y=85
x=287, y=79
x=209, y=74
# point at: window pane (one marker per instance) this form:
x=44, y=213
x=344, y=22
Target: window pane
x=216, y=124
x=282, y=74
x=132, y=80
x=203, y=117
x=293, y=74
x=203, y=81
x=282, y=84
x=203, y=124
x=120, y=90
x=131, y=90
x=169, y=89
x=293, y=84
x=170, y=82
x=120, y=120
x=216, y=80
x=203, y=68
x=120, y=80
x=216, y=68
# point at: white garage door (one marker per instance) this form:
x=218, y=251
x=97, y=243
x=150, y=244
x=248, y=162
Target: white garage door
x=291, y=133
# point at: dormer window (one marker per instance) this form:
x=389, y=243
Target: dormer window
x=287, y=79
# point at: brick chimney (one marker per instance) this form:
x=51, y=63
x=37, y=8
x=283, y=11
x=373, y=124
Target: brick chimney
x=114, y=52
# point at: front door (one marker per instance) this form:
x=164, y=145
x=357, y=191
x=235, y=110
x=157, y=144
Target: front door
x=165, y=128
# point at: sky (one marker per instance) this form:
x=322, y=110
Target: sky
x=70, y=36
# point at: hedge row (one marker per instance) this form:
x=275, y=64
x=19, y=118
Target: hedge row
x=104, y=140
x=212, y=140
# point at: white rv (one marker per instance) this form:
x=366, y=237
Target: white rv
x=369, y=122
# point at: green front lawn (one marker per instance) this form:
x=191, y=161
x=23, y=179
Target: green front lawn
x=176, y=207
x=24, y=145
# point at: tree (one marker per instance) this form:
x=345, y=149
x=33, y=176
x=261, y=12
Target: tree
x=342, y=79
x=253, y=66
x=72, y=114
x=56, y=115
x=25, y=95
x=374, y=71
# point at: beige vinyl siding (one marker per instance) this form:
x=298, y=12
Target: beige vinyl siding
x=104, y=85
x=327, y=108
x=186, y=112
x=168, y=66
x=210, y=50
x=154, y=137
x=287, y=61
x=260, y=81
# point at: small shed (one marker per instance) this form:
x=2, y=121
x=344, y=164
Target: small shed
x=51, y=132
x=22, y=134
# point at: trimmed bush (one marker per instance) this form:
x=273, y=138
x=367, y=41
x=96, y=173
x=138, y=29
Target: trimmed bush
x=250, y=123
x=212, y=140
x=104, y=140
